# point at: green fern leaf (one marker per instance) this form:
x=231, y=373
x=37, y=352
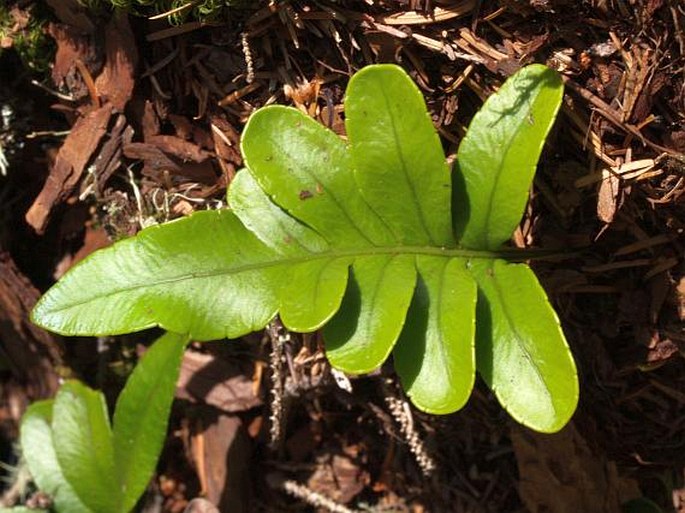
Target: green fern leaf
x=368, y=239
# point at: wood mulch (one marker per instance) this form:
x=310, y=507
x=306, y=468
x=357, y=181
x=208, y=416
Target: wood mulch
x=140, y=122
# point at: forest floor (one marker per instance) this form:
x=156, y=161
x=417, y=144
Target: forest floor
x=137, y=121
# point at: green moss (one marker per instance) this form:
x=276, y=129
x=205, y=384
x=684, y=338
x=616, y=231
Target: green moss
x=181, y=10
x=31, y=43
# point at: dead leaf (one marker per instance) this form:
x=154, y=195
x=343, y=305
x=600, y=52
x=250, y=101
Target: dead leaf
x=222, y=452
x=208, y=379
x=607, y=199
x=200, y=506
x=71, y=160
x=339, y=478
x=560, y=473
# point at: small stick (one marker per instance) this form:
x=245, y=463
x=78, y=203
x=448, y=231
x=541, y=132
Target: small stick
x=248, y=57
x=90, y=83
x=173, y=11
x=278, y=337
x=314, y=498
x=401, y=411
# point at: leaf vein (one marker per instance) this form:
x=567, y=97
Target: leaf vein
x=330, y=193
x=292, y=261
x=498, y=175
x=405, y=174
x=443, y=355
x=519, y=338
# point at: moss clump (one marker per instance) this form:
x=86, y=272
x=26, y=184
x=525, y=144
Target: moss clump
x=179, y=10
x=23, y=31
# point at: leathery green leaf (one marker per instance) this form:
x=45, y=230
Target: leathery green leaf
x=312, y=293
x=324, y=231
x=521, y=350
x=142, y=413
x=82, y=439
x=205, y=275
x=363, y=332
x=269, y=222
x=306, y=169
x=399, y=162
x=498, y=156
x=39, y=451
x=434, y=356
x=314, y=288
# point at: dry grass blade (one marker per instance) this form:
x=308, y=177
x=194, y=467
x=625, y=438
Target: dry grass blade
x=437, y=15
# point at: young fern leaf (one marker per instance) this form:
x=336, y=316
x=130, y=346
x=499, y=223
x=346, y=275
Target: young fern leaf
x=82, y=438
x=141, y=415
x=39, y=451
x=356, y=238
x=79, y=459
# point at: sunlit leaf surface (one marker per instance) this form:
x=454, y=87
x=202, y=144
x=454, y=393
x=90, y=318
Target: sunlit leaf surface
x=372, y=239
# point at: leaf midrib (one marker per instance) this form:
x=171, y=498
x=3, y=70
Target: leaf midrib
x=519, y=338
x=441, y=332
x=332, y=253
x=405, y=173
x=96, y=463
x=124, y=467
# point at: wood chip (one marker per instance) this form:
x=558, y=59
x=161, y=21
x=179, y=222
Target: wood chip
x=625, y=171
x=151, y=155
x=109, y=156
x=117, y=80
x=72, y=47
x=73, y=13
x=30, y=353
x=643, y=244
x=149, y=121
x=184, y=150
x=73, y=156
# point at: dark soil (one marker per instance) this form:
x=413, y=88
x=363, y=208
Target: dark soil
x=138, y=122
